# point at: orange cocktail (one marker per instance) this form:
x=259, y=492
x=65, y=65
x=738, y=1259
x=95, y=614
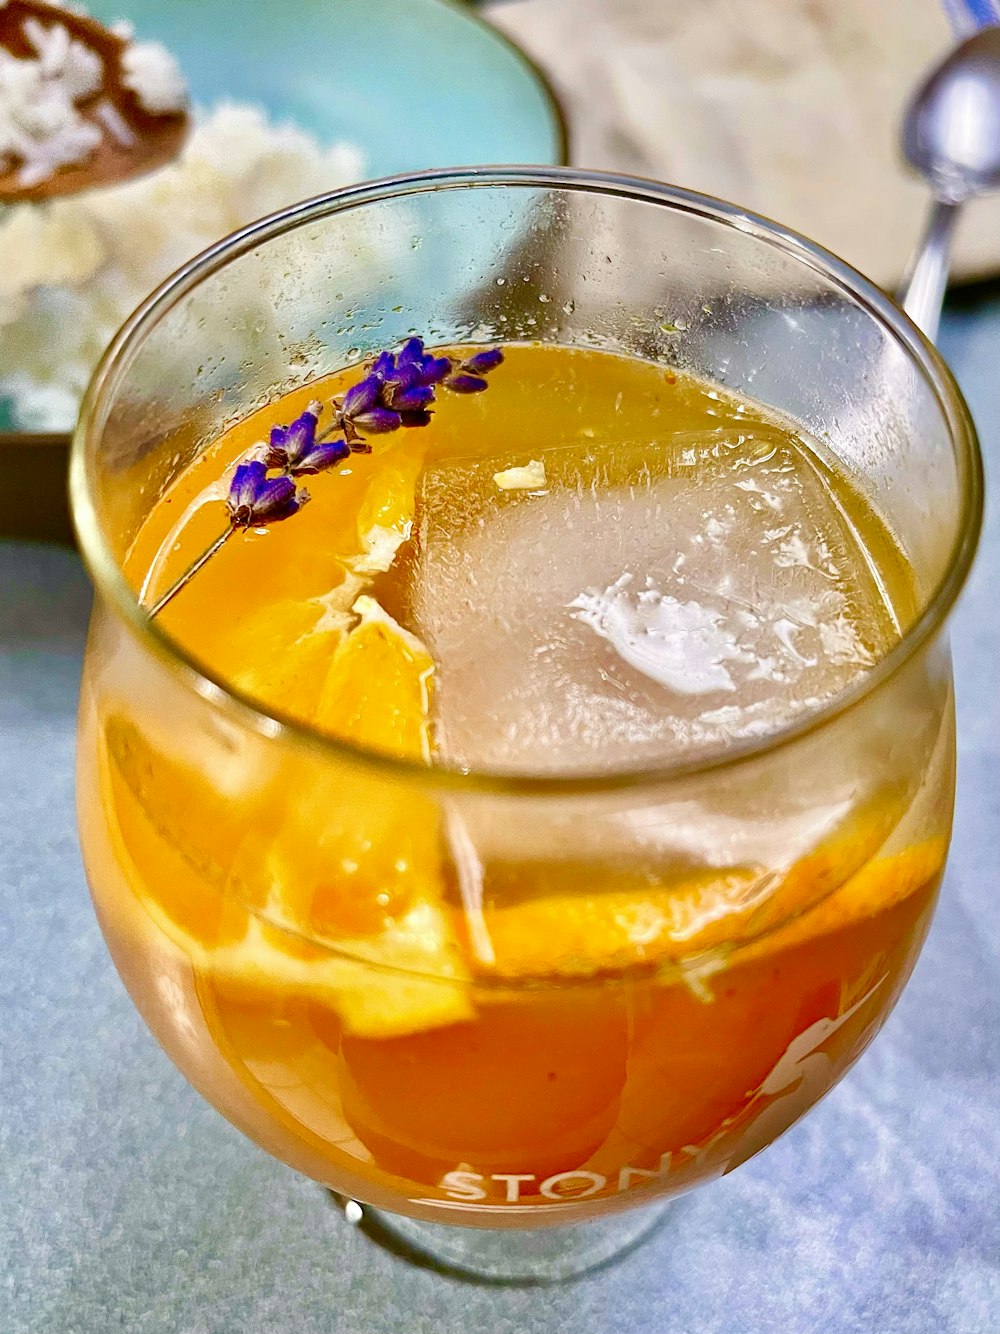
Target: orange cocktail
x=582, y=1026
x=541, y=815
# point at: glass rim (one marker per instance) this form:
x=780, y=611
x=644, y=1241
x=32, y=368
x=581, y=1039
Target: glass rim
x=112, y=587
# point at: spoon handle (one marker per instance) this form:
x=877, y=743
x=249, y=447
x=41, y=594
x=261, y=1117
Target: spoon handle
x=968, y=16
x=922, y=293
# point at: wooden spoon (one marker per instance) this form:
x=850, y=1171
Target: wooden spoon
x=149, y=141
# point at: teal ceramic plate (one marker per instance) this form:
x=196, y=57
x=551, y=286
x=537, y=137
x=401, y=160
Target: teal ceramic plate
x=414, y=83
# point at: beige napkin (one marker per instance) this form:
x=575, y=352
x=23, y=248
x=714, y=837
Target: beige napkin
x=790, y=107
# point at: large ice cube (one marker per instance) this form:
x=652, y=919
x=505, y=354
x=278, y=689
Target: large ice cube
x=645, y=600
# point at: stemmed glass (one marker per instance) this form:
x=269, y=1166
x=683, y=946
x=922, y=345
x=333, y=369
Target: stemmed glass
x=531, y=1126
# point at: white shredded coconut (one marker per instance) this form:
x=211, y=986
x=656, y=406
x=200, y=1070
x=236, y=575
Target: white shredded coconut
x=530, y=477
x=114, y=122
x=41, y=129
x=150, y=71
x=72, y=269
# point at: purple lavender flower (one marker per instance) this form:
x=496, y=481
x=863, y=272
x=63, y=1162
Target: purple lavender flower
x=363, y=396
x=294, y=448
x=383, y=365
x=481, y=363
x=434, y=369
x=471, y=373
x=415, y=367
x=256, y=499
x=414, y=398
x=398, y=390
x=377, y=421
x=465, y=384
x=411, y=353
x=321, y=456
x=404, y=376
x=288, y=443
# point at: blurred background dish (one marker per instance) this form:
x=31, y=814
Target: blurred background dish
x=293, y=99
x=417, y=84
x=791, y=109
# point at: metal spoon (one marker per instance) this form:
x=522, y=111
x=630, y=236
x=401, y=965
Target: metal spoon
x=951, y=136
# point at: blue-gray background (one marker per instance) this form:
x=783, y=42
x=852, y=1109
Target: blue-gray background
x=128, y=1204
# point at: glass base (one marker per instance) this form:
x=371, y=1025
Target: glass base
x=506, y=1255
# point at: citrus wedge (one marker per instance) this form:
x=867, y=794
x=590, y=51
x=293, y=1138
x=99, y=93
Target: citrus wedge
x=303, y=880
x=385, y=517
x=280, y=654
x=702, y=915
x=378, y=689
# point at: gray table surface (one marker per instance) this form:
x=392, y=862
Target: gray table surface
x=128, y=1204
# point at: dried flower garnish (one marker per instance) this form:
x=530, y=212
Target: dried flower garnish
x=296, y=450
x=255, y=499
x=470, y=378
x=398, y=389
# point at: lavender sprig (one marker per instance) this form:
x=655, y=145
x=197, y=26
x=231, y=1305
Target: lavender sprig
x=470, y=378
x=296, y=450
x=254, y=501
x=397, y=390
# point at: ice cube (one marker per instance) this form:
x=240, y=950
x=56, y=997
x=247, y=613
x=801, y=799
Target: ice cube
x=647, y=601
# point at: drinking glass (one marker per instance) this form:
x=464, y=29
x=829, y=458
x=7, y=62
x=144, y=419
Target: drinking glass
x=528, y=1123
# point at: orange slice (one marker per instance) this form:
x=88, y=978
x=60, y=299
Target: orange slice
x=308, y=879
x=385, y=517
x=280, y=654
x=878, y=885
x=190, y=836
x=280, y=651
x=379, y=685
x=347, y=915
x=583, y=934
x=695, y=922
